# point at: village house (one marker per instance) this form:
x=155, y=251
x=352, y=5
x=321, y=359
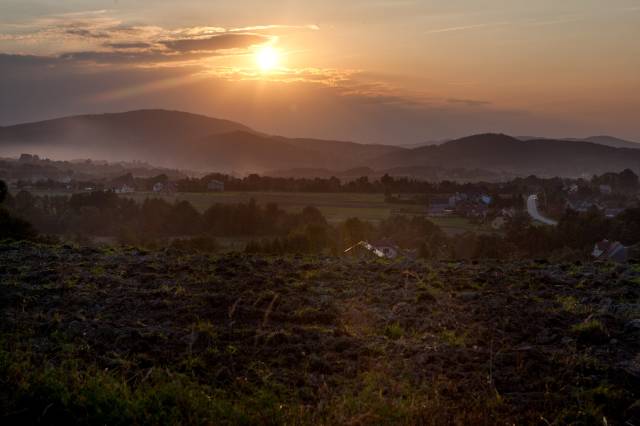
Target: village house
x=124, y=189
x=610, y=250
x=158, y=187
x=605, y=189
x=582, y=206
x=485, y=199
x=612, y=212
x=571, y=189
x=471, y=209
x=382, y=249
x=215, y=186
x=439, y=206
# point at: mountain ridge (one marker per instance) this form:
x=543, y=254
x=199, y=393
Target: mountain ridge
x=198, y=142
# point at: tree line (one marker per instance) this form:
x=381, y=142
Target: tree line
x=269, y=229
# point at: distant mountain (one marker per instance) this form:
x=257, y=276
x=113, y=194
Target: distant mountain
x=506, y=154
x=427, y=143
x=149, y=135
x=612, y=142
x=195, y=142
x=179, y=139
x=251, y=152
x=600, y=140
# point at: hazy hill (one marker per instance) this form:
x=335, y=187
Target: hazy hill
x=178, y=139
x=149, y=135
x=504, y=153
x=613, y=142
x=600, y=140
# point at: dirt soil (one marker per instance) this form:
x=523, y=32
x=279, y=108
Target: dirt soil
x=334, y=340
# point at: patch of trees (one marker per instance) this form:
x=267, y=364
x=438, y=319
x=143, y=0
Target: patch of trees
x=385, y=184
x=104, y=213
x=625, y=181
x=12, y=227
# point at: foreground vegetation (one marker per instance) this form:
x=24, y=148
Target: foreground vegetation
x=127, y=336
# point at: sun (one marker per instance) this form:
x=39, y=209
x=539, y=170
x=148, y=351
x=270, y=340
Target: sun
x=267, y=58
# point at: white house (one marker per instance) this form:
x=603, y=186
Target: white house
x=215, y=186
x=610, y=250
x=124, y=189
x=606, y=189
x=383, y=249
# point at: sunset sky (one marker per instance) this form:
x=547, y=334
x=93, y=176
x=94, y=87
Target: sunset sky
x=383, y=71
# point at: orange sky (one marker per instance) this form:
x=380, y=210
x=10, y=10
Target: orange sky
x=392, y=71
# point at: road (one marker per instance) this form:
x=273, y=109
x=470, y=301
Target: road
x=532, y=208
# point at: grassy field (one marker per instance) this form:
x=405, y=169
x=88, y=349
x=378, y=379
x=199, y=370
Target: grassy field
x=121, y=336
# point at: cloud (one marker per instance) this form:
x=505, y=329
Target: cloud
x=276, y=27
x=125, y=45
x=84, y=32
x=468, y=102
x=466, y=27
x=218, y=42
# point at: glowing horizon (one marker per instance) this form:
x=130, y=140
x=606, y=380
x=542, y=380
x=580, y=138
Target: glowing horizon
x=384, y=71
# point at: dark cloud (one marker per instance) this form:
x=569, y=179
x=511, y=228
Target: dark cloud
x=217, y=42
x=111, y=57
x=125, y=56
x=84, y=32
x=13, y=61
x=468, y=102
x=138, y=45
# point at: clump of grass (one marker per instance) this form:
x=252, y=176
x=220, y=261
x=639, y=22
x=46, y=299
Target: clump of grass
x=76, y=394
x=590, y=331
x=572, y=305
x=394, y=331
x=596, y=405
x=451, y=338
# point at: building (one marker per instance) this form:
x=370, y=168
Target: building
x=610, y=250
x=215, y=186
x=605, y=189
x=383, y=249
x=158, y=187
x=486, y=199
x=612, y=212
x=439, y=206
x=124, y=189
x=471, y=209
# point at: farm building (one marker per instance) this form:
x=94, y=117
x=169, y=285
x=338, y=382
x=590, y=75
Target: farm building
x=215, y=186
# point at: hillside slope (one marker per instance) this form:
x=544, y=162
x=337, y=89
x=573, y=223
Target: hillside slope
x=179, y=139
x=500, y=152
x=115, y=336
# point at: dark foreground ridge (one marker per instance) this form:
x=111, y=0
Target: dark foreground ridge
x=108, y=336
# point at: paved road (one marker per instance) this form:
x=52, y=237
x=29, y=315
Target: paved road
x=532, y=208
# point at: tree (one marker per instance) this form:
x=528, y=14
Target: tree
x=628, y=180
x=3, y=191
x=12, y=227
